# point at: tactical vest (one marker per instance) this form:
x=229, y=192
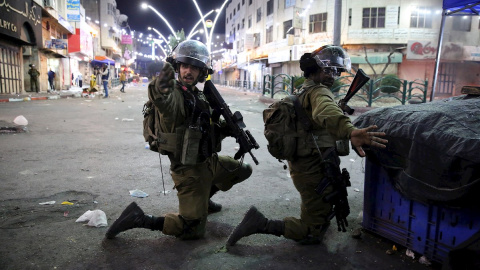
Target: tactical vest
x=309, y=142
x=195, y=140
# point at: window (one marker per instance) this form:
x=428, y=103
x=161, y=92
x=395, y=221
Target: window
x=421, y=17
x=462, y=23
x=269, y=7
x=287, y=28
x=289, y=3
x=269, y=34
x=234, y=12
x=318, y=23
x=227, y=20
x=243, y=23
x=259, y=14
x=373, y=18
x=250, y=2
x=249, y=21
x=230, y=16
x=243, y=2
x=238, y=8
x=238, y=26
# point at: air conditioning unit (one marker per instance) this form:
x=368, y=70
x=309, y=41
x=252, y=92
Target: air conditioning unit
x=49, y=4
x=27, y=50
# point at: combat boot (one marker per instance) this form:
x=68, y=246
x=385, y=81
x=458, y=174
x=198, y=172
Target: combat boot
x=134, y=217
x=213, y=207
x=255, y=222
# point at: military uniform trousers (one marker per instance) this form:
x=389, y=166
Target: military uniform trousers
x=34, y=84
x=306, y=176
x=193, y=185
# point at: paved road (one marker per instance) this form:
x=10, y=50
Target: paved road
x=91, y=152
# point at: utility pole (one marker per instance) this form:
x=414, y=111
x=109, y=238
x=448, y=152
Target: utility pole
x=337, y=23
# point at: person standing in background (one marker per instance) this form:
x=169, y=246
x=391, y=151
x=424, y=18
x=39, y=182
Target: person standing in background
x=33, y=72
x=123, y=78
x=105, y=74
x=51, y=77
x=80, y=80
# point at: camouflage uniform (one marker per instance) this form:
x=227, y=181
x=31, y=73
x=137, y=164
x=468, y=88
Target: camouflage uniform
x=320, y=107
x=193, y=182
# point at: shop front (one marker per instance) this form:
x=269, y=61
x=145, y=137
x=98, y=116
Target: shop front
x=20, y=38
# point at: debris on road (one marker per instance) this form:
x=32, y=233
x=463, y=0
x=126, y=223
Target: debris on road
x=96, y=218
x=47, y=203
x=138, y=193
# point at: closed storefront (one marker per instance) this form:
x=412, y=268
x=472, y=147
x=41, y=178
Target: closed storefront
x=20, y=38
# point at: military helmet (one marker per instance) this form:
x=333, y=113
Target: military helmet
x=330, y=56
x=194, y=53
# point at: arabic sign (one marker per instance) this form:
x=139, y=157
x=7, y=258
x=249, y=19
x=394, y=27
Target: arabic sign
x=126, y=39
x=73, y=10
x=421, y=49
x=14, y=14
x=58, y=44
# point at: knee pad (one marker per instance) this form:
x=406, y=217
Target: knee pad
x=245, y=172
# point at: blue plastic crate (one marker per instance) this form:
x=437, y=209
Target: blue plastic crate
x=430, y=230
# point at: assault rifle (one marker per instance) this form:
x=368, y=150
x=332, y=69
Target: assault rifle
x=338, y=198
x=234, y=121
x=359, y=80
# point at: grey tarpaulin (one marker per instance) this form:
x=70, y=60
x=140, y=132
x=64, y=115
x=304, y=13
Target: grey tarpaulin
x=433, y=153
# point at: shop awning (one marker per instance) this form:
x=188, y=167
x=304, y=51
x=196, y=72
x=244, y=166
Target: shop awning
x=100, y=60
x=376, y=58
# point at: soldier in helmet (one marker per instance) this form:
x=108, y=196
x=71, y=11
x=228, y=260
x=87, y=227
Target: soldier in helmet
x=320, y=68
x=191, y=141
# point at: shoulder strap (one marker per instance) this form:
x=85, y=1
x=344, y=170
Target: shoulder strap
x=302, y=116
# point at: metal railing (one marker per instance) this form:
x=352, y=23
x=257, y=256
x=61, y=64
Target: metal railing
x=397, y=90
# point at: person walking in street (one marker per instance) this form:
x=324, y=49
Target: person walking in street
x=316, y=154
x=51, y=77
x=105, y=75
x=191, y=143
x=123, y=79
x=34, y=73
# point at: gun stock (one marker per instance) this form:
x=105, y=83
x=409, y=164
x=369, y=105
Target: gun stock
x=234, y=121
x=358, y=82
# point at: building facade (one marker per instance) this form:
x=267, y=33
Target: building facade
x=269, y=37
x=20, y=40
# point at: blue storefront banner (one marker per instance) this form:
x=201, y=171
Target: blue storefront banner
x=73, y=10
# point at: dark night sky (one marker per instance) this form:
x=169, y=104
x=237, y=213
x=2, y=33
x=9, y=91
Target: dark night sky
x=179, y=13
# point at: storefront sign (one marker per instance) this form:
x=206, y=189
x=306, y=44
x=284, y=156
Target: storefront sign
x=471, y=53
x=73, y=10
x=15, y=13
x=279, y=56
x=126, y=39
x=421, y=49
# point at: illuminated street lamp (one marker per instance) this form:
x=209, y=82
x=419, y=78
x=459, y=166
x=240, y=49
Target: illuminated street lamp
x=209, y=38
x=145, y=6
x=199, y=21
x=160, y=34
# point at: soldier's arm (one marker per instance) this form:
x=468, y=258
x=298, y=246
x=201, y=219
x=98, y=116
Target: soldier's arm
x=163, y=93
x=327, y=114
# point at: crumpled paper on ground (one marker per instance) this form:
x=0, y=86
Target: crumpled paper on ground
x=95, y=218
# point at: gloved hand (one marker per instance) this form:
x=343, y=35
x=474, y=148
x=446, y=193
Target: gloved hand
x=165, y=81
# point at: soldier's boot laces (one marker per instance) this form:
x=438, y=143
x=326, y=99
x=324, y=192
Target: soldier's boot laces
x=255, y=222
x=134, y=217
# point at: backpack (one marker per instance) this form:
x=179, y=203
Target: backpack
x=151, y=125
x=282, y=127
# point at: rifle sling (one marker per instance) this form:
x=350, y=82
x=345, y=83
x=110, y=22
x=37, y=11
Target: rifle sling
x=300, y=112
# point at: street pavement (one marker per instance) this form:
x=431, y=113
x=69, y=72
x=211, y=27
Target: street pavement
x=91, y=152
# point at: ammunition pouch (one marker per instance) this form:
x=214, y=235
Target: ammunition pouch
x=342, y=147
